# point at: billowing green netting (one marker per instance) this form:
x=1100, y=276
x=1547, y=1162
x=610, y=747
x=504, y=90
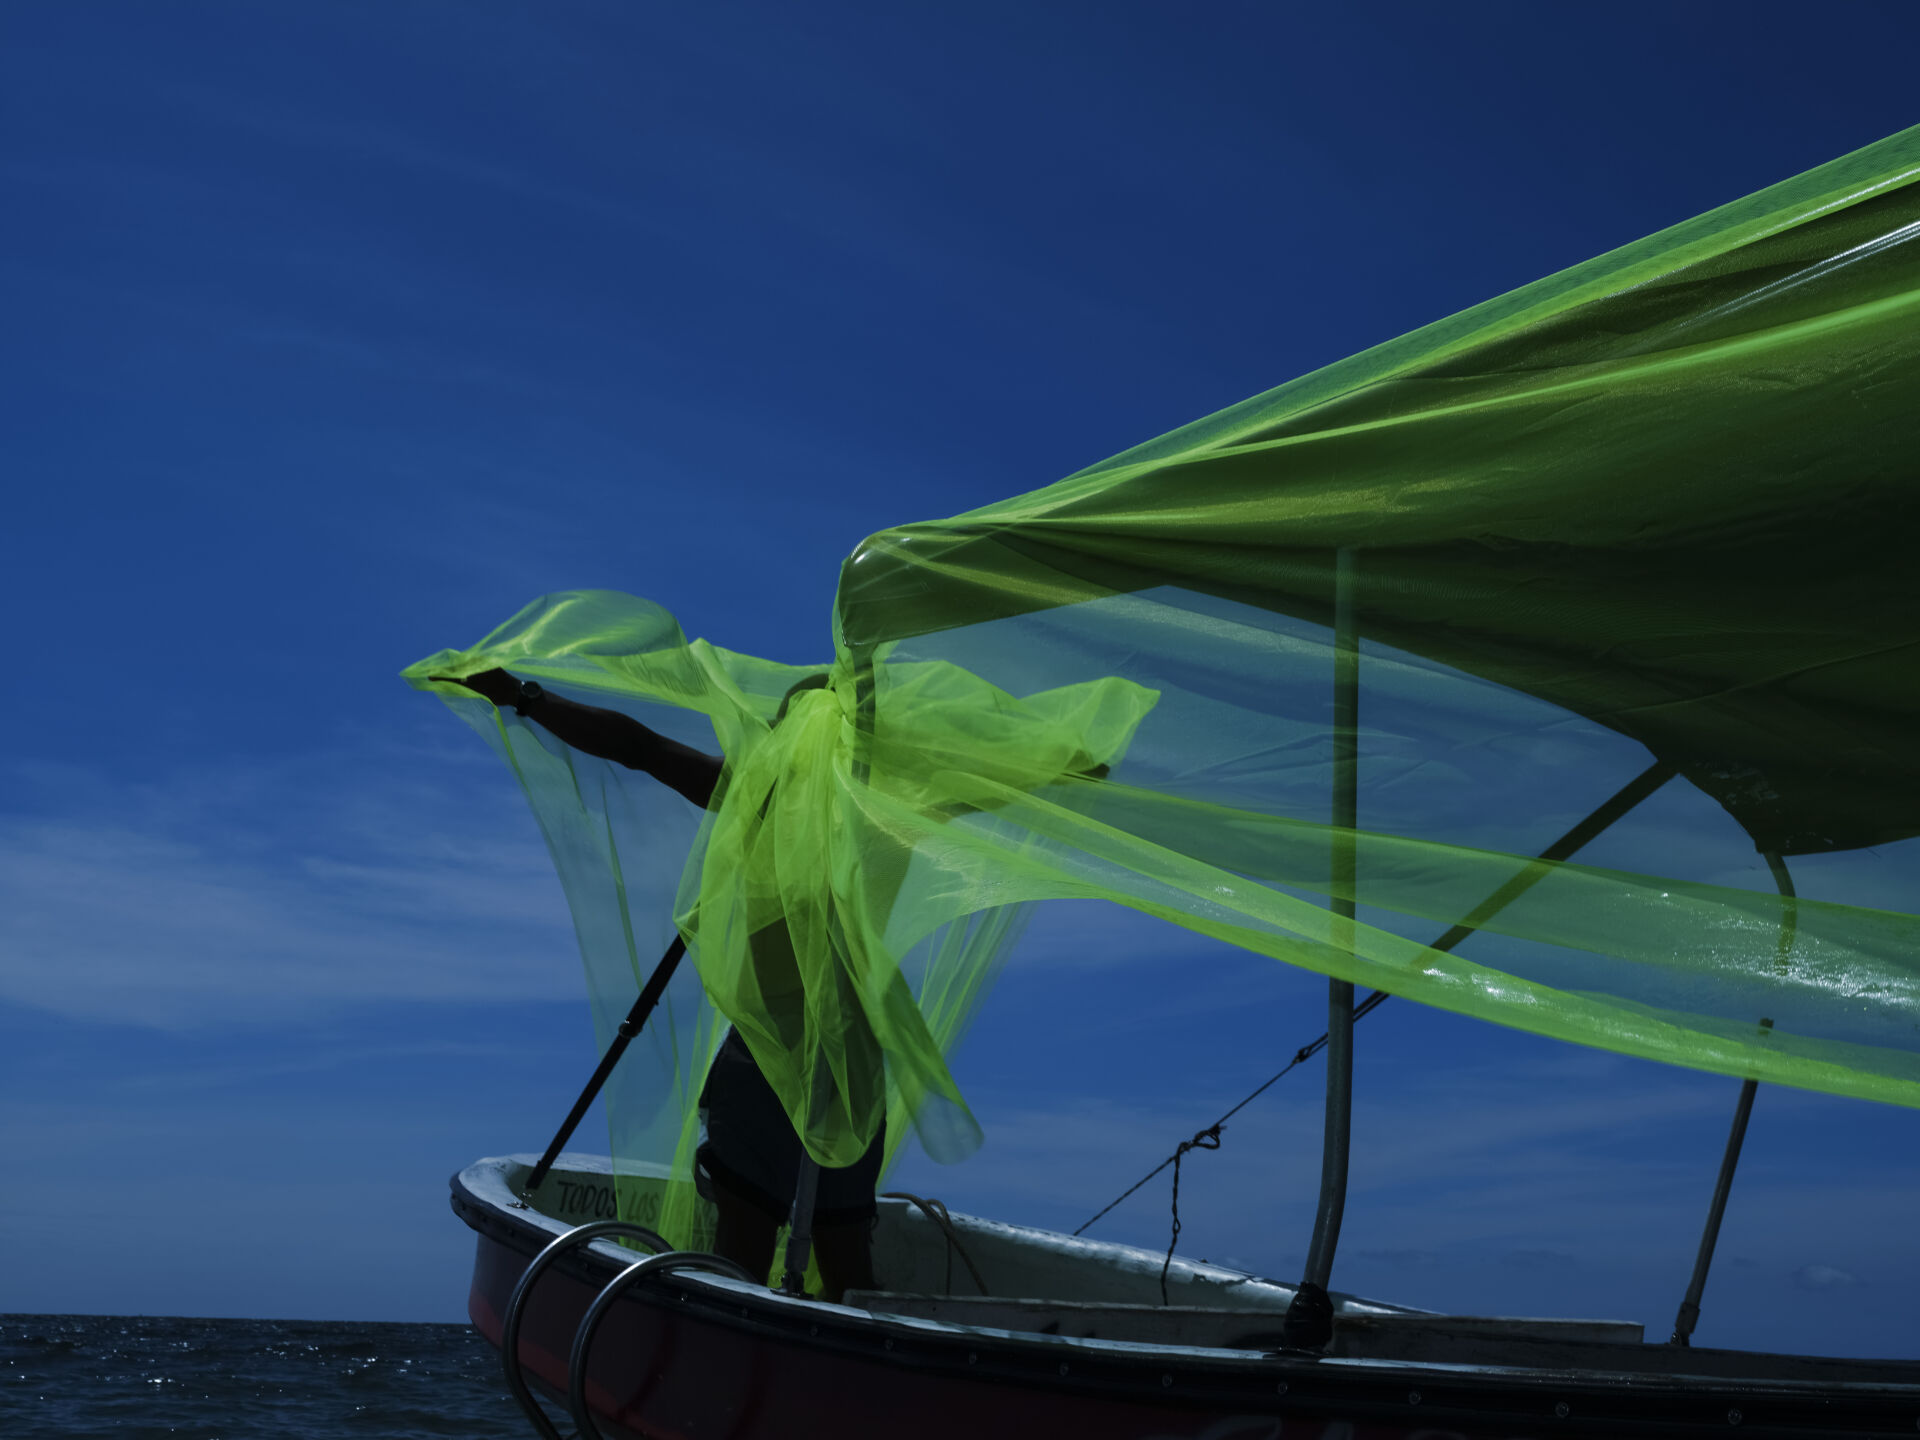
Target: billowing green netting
x=1657, y=510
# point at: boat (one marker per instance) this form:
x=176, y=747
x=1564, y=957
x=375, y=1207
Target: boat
x=1310, y=676
x=1071, y=1337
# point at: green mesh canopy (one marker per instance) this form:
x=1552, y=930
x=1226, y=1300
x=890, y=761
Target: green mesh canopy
x=1658, y=510
x=1671, y=489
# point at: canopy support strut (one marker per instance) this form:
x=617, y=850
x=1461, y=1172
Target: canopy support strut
x=650, y=994
x=1689, y=1315
x=1569, y=844
x=1309, y=1322
x=806, y=1186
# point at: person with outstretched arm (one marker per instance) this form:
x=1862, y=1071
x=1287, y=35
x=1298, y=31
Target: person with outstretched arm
x=749, y=1158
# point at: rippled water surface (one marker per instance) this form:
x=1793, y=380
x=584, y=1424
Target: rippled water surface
x=76, y=1376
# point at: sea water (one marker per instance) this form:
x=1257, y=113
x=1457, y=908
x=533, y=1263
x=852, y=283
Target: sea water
x=71, y=1377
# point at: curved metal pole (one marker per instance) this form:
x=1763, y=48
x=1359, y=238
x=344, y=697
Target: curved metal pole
x=510, y=1325
x=1689, y=1315
x=1309, y=1323
x=616, y=1287
x=1337, y=1139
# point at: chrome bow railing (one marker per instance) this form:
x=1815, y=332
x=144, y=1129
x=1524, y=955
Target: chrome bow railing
x=616, y=1287
x=510, y=1326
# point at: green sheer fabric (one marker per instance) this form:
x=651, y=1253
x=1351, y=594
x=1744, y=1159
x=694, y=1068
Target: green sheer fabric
x=1670, y=489
x=1658, y=508
x=802, y=895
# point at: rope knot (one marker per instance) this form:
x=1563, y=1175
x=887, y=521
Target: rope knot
x=1207, y=1139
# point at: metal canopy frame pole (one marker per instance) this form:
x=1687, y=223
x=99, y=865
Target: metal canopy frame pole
x=643, y=1007
x=806, y=1186
x=1337, y=1138
x=1309, y=1322
x=1689, y=1315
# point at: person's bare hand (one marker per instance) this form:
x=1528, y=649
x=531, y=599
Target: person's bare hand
x=495, y=685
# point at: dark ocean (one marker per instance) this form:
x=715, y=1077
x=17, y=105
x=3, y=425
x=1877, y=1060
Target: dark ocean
x=64, y=1377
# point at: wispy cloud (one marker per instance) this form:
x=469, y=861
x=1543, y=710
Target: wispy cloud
x=1824, y=1277
x=260, y=891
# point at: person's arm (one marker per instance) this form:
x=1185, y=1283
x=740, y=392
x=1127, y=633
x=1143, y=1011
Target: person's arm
x=609, y=735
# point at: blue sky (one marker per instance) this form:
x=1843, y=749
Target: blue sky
x=337, y=332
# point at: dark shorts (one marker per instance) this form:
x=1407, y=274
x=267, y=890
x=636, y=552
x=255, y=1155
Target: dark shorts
x=751, y=1152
